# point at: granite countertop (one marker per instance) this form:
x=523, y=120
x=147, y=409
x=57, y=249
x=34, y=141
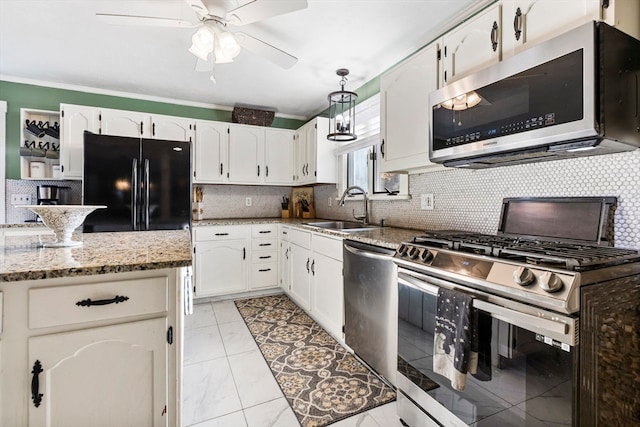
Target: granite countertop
x=24, y=258
x=388, y=237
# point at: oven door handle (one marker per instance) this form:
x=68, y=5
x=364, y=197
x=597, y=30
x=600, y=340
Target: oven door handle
x=550, y=328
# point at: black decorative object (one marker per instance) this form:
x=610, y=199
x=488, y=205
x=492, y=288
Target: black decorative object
x=115, y=300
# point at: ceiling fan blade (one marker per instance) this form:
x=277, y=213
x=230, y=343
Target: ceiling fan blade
x=258, y=10
x=144, y=20
x=198, y=7
x=272, y=53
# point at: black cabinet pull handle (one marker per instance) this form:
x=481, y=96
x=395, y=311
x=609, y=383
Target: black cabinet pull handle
x=89, y=302
x=517, y=24
x=494, y=36
x=222, y=234
x=220, y=168
x=313, y=270
x=170, y=335
x=153, y=129
x=36, y=396
x=265, y=257
x=258, y=170
x=266, y=171
x=264, y=244
x=266, y=232
x=263, y=270
x=308, y=265
x=244, y=253
x=382, y=148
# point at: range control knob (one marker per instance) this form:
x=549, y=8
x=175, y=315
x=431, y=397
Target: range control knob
x=426, y=255
x=413, y=252
x=550, y=282
x=402, y=250
x=523, y=276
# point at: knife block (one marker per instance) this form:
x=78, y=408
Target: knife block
x=297, y=195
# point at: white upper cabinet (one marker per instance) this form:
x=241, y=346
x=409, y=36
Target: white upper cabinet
x=124, y=123
x=527, y=22
x=472, y=45
x=171, y=128
x=404, y=113
x=76, y=119
x=315, y=158
x=210, y=147
x=279, y=154
x=246, y=154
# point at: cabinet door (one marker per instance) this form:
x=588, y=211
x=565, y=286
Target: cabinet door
x=327, y=288
x=285, y=265
x=246, y=154
x=221, y=267
x=210, y=152
x=527, y=22
x=300, y=161
x=405, y=114
x=115, y=373
x=279, y=152
x=472, y=45
x=300, y=259
x=75, y=120
x=124, y=123
x=171, y=128
x=323, y=160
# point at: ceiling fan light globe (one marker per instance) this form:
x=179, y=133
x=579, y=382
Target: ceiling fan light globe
x=228, y=45
x=195, y=50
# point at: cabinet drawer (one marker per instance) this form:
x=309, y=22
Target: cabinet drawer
x=300, y=238
x=331, y=247
x=264, y=256
x=220, y=233
x=264, y=244
x=63, y=305
x=264, y=275
x=264, y=230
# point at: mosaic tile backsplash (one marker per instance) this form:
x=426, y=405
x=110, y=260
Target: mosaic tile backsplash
x=471, y=200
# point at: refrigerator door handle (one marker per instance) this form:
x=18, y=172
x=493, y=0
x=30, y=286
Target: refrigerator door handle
x=146, y=194
x=134, y=193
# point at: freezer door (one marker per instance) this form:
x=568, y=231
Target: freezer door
x=166, y=185
x=110, y=170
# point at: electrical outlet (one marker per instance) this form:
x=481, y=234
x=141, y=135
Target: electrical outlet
x=426, y=201
x=247, y=201
x=20, y=199
x=329, y=200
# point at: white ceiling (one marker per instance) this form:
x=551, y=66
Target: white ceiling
x=63, y=42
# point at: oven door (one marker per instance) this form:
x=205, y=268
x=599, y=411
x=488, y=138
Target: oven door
x=526, y=373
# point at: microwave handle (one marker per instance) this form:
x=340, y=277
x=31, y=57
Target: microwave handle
x=557, y=330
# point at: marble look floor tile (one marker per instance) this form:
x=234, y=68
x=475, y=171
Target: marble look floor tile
x=363, y=419
x=386, y=415
x=209, y=391
x=236, y=338
x=235, y=419
x=202, y=316
x=275, y=413
x=202, y=344
x=226, y=311
x=254, y=380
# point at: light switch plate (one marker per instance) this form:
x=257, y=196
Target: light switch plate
x=426, y=201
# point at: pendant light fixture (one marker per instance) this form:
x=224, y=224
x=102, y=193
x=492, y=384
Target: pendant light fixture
x=342, y=111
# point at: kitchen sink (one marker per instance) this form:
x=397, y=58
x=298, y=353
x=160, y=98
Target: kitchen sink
x=343, y=226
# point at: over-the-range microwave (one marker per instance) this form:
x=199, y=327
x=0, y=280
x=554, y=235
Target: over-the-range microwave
x=574, y=95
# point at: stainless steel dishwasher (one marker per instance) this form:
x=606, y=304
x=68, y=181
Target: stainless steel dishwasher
x=370, y=304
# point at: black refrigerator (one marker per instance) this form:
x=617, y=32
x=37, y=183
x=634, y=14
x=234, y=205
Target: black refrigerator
x=145, y=183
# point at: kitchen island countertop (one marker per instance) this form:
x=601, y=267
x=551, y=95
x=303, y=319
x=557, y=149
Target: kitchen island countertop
x=22, y=256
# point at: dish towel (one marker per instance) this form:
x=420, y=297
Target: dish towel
x=455, y=349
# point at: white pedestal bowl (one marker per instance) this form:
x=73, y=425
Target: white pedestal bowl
x=62, y=219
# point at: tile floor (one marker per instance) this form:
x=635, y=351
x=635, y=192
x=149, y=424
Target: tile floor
x=227, y=383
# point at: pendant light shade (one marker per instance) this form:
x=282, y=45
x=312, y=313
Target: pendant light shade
x=342, y=111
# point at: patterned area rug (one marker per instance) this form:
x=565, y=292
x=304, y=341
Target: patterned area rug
x=321, y=380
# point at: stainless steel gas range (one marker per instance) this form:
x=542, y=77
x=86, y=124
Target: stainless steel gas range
x=527, y=285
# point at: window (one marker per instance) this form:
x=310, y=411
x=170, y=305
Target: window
x=359, y=160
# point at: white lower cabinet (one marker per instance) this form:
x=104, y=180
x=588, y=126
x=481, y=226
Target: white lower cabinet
x=284, y=254
x=115, y=373
x=220, y=260
x=300, y=261
x=264, y=256
x=327, y=299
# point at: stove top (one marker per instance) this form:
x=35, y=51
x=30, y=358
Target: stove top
x=543, y=273
x=558, y=254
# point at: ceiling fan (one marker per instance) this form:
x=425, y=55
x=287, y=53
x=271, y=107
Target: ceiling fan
x=213, y=42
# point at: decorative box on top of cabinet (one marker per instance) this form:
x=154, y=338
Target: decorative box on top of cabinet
x=39, y=154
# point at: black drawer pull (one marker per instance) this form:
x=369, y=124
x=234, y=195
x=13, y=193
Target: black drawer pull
x=264, y=269
x=264, y=231
x=264, y=244
x=115, y=300
x=222, y=234
x=36, y=396
x=265, y=257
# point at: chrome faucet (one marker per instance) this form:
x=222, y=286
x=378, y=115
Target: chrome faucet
x=364, y=218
